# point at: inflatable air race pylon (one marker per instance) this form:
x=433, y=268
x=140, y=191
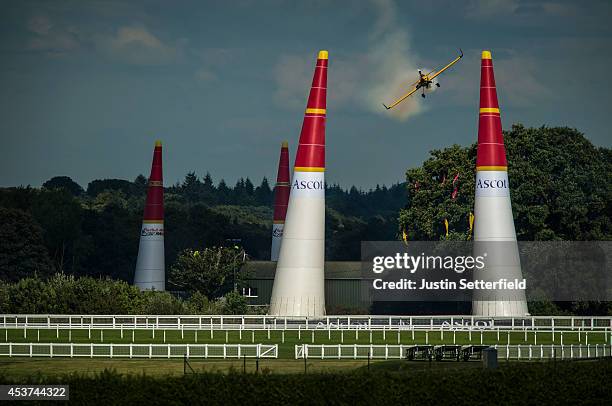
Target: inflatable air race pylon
x=281, y=199
x=494, y=234
x=150, y=272
x=299, y=281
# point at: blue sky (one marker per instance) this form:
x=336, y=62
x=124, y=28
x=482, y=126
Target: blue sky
x=88, y=86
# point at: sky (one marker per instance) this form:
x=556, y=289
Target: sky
x=88, y=86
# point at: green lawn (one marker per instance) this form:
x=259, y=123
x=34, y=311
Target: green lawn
x=289, y=339
x=284, y=382
x=27, y=367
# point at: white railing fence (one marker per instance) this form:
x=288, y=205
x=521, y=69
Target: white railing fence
x=139, y=350
x=493, y=335
x=509, y=352
x=355, y=322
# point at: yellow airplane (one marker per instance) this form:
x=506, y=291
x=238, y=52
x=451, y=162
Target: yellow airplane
x=424, y=82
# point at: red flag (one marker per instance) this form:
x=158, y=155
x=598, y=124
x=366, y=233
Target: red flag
x=456, y=185
x=456, y=178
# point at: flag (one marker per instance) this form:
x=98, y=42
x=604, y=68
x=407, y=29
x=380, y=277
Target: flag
x=446, y=226
x=456, y=185
x=471, y=220
x=405, y=237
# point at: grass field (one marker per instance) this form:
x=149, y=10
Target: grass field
x=288, y=339
x=26, y=367
x=327, y=382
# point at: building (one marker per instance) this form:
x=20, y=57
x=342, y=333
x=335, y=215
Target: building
x=342, y=285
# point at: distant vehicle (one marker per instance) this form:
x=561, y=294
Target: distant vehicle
x=425, y=81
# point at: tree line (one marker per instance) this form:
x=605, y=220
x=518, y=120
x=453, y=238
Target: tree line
x=62, y=227
x=67, y=294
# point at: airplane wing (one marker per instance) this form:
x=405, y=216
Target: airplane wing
x=398, y=101
x=448, y=66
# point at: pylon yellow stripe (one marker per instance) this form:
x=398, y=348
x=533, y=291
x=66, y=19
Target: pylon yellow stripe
x=153, y=221
x=279, y=221
x=315, y=111
x=282, y=183
x=489, y=110
x=491, y=168
x=308, y=169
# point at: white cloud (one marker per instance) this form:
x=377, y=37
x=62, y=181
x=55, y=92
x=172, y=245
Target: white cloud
x=205, y=76
x=389, y=72
x=383, y=71
x=51, y=38
x=518, y=78
x=488, y=8
x=137, y=45
x=291, y=74
x=40, y=25
x=498, y=8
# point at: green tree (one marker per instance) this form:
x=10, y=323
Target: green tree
x=223, y=192
x=162, y=303
x=60, y=215
x=263, y=193
x=208, y=190
x=235, y=303
x=140, y=184
x=211, y=271
x=64, y=182
x=560, y=186
x=98, y=186
x=107, y=198
x=29, y=296
x=112, y=234
x=192, y=188
x=22, y=251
